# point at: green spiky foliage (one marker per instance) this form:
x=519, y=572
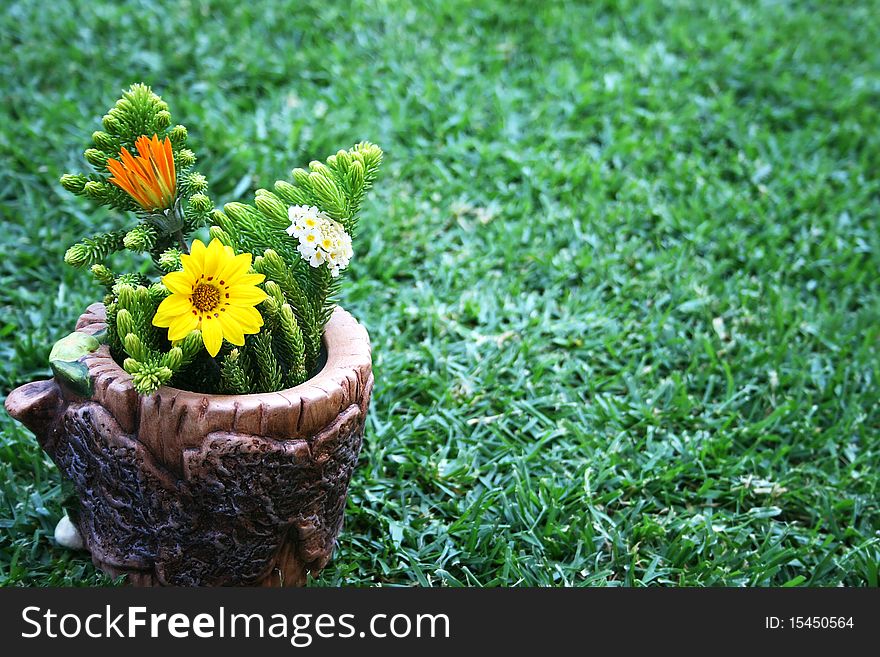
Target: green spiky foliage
x=131, y=299
x=150, y=360
x=139, y=112
x=300, y=299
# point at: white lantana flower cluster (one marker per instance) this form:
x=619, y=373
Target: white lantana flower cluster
x=321, y=239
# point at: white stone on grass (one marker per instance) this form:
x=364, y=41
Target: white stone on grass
x=67, y=535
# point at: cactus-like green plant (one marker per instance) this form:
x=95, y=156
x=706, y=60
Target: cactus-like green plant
x=140, y=113
x=298, y=234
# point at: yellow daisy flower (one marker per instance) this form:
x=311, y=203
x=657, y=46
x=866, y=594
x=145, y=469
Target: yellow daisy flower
x=213, y=293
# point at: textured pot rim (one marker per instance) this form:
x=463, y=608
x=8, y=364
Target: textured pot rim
x=345, y=340
x=337, y=339
x=172, y=419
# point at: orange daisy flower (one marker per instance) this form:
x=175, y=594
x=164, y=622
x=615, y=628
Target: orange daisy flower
x=149, y=178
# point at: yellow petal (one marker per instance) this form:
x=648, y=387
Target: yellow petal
x=232, y=330
x=251, y=279
x=175, y=305
x=166, y=320
x=249, y=318
x=235, y=268
x=246, y=295
x=179, y=282
x=212, y=335
x=191, y=266
x=197, y=253
x=214, y=258
x=182, y=325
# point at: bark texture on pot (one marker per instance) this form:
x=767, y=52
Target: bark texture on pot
x=187, y=489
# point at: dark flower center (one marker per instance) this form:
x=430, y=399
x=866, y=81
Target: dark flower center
x=205, y=297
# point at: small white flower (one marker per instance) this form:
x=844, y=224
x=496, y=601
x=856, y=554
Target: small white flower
x=321, y=239
x=296, y=212
x=306, y=250
x=305, y=216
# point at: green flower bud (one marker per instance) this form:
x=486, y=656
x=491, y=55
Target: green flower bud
x=238, y=212
x=272, y=259
x=142, y=296
x=195, y=182
x=173, y=359
x=287, y=312
x=124, y=322
x=103, y=275
x=177, y=135
x=163, y=119
x=370, y=154
x=111, y=123
x=185, y=158
x=77, y=255
x=320, y=167
x=218, y=233
x=274, y=291
x=270, y=205
x=292, y=195
x=200, y=203
x=169, y=260
x=73, y=182
x=150, y=378
x=140, y=238
x=93, y=188
x=356, y=177
x=133, y=346
x=300, y=177
x=96, y=158
x=270, y=307
x=129, y=279
x=343, y=161
x=327, y=193
x=125, y=295
x=358, y=157
x=104, y=142
x=191, y=345
x=157, y=292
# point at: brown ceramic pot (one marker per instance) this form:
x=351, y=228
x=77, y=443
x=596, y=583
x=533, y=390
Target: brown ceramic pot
x=187, y=489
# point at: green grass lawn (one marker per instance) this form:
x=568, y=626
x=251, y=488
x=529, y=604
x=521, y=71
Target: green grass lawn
x=620, y=270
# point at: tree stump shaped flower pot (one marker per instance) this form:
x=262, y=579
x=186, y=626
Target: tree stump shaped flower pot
x=187, y=489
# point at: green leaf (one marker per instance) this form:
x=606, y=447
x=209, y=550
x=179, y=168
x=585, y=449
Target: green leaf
x=65, y=359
